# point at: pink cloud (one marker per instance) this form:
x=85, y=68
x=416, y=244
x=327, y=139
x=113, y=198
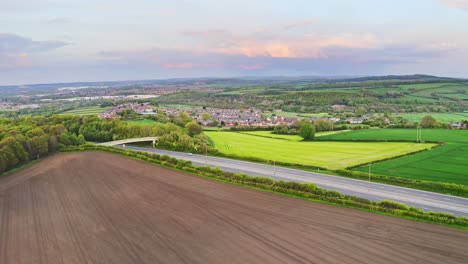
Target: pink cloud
x=15, y=61
x=178, y=66
x=308, y=46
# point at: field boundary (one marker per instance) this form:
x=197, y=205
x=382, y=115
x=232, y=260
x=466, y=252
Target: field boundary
x=246, y=133
x=293, y=189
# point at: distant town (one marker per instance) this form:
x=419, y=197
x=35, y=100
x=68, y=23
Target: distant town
x=243, y=117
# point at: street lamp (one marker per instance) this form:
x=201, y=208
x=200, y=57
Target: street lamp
x=368, y=189
x=206, y=151
x=369, y=170
x=274, y=168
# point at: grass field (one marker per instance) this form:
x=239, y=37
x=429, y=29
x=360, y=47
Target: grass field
x=178, y=106
x=90, y=110
x=448, y=163
x=441, y=117
x=143, y=122
x=441, y=135
x=287, y=137
x=329, y=155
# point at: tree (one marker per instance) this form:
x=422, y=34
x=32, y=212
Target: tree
x=39, y=146
x=322, y=125
x=16, y=148
x=307, y=131
x=206, y=116
x=299, y=122
x=9, y=157
x=182, y=119
x=52, y=144
x=428, y=122
x=281, y=129
x=193, y=128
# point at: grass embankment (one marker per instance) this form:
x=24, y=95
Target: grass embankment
x=327, y=155
x=293, y=189
x=447, y=163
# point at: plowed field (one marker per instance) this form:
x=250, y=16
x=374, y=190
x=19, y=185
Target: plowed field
x=103, y=208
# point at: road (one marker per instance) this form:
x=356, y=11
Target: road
x=427, y=201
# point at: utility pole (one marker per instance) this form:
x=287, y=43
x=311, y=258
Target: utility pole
x=274, y=168
x=369, y=170
x=417, y=133
x=206, y=153
x=420, y=134
x=368, y=189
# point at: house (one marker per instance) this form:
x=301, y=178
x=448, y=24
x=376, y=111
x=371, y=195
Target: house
x=338, y=107
x=355, y=120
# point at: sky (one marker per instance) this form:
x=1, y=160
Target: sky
x=49, y=41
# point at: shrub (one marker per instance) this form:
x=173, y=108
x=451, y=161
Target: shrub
x=393, y=205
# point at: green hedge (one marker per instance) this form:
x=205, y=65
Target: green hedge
x=302, y=190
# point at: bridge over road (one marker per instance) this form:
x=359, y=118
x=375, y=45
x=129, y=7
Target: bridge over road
x=130, y=140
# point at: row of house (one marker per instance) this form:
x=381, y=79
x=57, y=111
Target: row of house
x=139, y=108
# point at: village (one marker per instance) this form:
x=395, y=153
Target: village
x=218, y=117
x=231, y=117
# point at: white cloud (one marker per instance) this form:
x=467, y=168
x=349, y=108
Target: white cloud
x=462, y=4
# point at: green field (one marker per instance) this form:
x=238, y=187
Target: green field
x=143, y=122
x=287, y=137
x=178, y=106
x=90, y=110
x=329, y=155
x=447, y=163
x=441, y=117
x=440, y=135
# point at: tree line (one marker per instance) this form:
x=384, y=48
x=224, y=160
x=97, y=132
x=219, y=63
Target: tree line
x=28, y=138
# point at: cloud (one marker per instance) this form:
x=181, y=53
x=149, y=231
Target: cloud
x=185, y=65
x=15, y=43
x=256, y=66
x=335, y=57
x=15, y=51
x=57, y=20
x=461, y=4
x=304, y=46
x=302, y=23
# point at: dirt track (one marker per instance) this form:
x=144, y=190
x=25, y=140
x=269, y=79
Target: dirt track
x=102, y=208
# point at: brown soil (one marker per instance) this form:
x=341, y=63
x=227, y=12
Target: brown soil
x=103, y=208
